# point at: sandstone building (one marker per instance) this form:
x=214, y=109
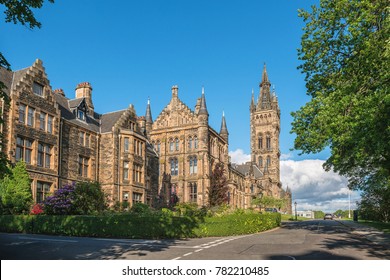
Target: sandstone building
x=135, y=158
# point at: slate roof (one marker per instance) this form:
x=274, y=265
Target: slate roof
x=245, y=169
x=109, y=120
x=91, y=123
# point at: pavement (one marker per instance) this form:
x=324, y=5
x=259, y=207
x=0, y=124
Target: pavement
x=370, y=233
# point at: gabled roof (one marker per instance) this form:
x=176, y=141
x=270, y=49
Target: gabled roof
x=90, y=123
x=246, y=168
x=110, y=119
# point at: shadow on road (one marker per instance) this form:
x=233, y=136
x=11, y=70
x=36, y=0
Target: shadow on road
x=338, y=237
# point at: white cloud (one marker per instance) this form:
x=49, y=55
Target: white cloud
x=315, y=189
x=238, y=156
x=312, y=187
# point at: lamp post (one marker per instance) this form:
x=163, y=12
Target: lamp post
x=295, y=203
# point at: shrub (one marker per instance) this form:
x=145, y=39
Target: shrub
x=83, y=198
x=37, y=209
x=15, y=191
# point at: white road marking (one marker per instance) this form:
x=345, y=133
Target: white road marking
x=47, y=239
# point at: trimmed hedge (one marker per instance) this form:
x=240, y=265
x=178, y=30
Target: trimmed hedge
x=153, y=226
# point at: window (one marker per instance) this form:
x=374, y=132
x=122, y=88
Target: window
x=177, y=144
x=87, y=140
x=30, y=116
x=38, y=89
x=44, y=155
x=193, y=192
x=42, y=121
x=193, y=165
x=260, y=161
x=22, y=113
x=268, y=143
x=171, y=145
x=158, y=147
x=81, y=138
x=83, y=166
x=126, y=170
x=190, y=143
x=81, y=115
x=260, y=142
x=268, y=161
x=23, y=149
x=43, y=191
x=126, y=144
x=195, y=142
x=174, y=167
x=50, y=124
x=137, y=173
x=137, y=198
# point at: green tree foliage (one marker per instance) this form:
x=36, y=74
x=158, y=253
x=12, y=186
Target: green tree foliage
x=15, y=11
x=15, y=191
x=218, y=190
x=375, y=204
x=269, y=202
x=83, y=198
x=89, y=198
x=319, y=214
x=345, y=51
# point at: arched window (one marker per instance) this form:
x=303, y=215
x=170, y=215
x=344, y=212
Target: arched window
x=177, y=144
x=260, y=161
x=190, y=143
x=193, y=192
x=268, y=161
x=193, y=165
x=195, y=142
x=260, y=142
x=170, y=145
x=158, y=148
x=268, y=142
x=174, y=167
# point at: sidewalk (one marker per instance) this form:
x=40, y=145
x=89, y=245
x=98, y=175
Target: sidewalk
x=370, y=233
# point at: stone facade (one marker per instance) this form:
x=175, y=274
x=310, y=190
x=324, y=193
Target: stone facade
x=134, y=158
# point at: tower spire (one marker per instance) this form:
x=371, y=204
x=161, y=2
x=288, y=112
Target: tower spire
x=148, y=114
x=264, y=101
x=203, y=106
x=224, y=131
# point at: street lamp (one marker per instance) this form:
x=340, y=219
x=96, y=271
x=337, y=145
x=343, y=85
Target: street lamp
x=295, y=203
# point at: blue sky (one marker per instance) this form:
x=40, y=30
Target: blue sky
x=132, y=50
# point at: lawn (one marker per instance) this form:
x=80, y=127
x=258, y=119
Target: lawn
x=385, y=227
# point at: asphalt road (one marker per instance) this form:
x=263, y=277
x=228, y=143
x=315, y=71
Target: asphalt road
x=308, y=240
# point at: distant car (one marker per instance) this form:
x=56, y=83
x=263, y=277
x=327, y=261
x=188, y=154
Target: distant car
x=328, y=216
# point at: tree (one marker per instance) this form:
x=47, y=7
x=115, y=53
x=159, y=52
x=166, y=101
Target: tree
x=269, y=202
x=89, y=198
x=15, y=11
x=15, y=191
x=375, y=204
x=218, y=190
x=345, y=51
x=83, y=198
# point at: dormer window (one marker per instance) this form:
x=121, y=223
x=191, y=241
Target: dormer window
x=81, y=115
x=38, y=89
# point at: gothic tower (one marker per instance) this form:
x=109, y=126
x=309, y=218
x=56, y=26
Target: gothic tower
x=265, y=130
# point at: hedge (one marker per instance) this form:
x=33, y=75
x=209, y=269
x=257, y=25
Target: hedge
x=140, y=226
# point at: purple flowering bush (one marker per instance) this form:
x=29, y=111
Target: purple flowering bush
x=61, y=203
